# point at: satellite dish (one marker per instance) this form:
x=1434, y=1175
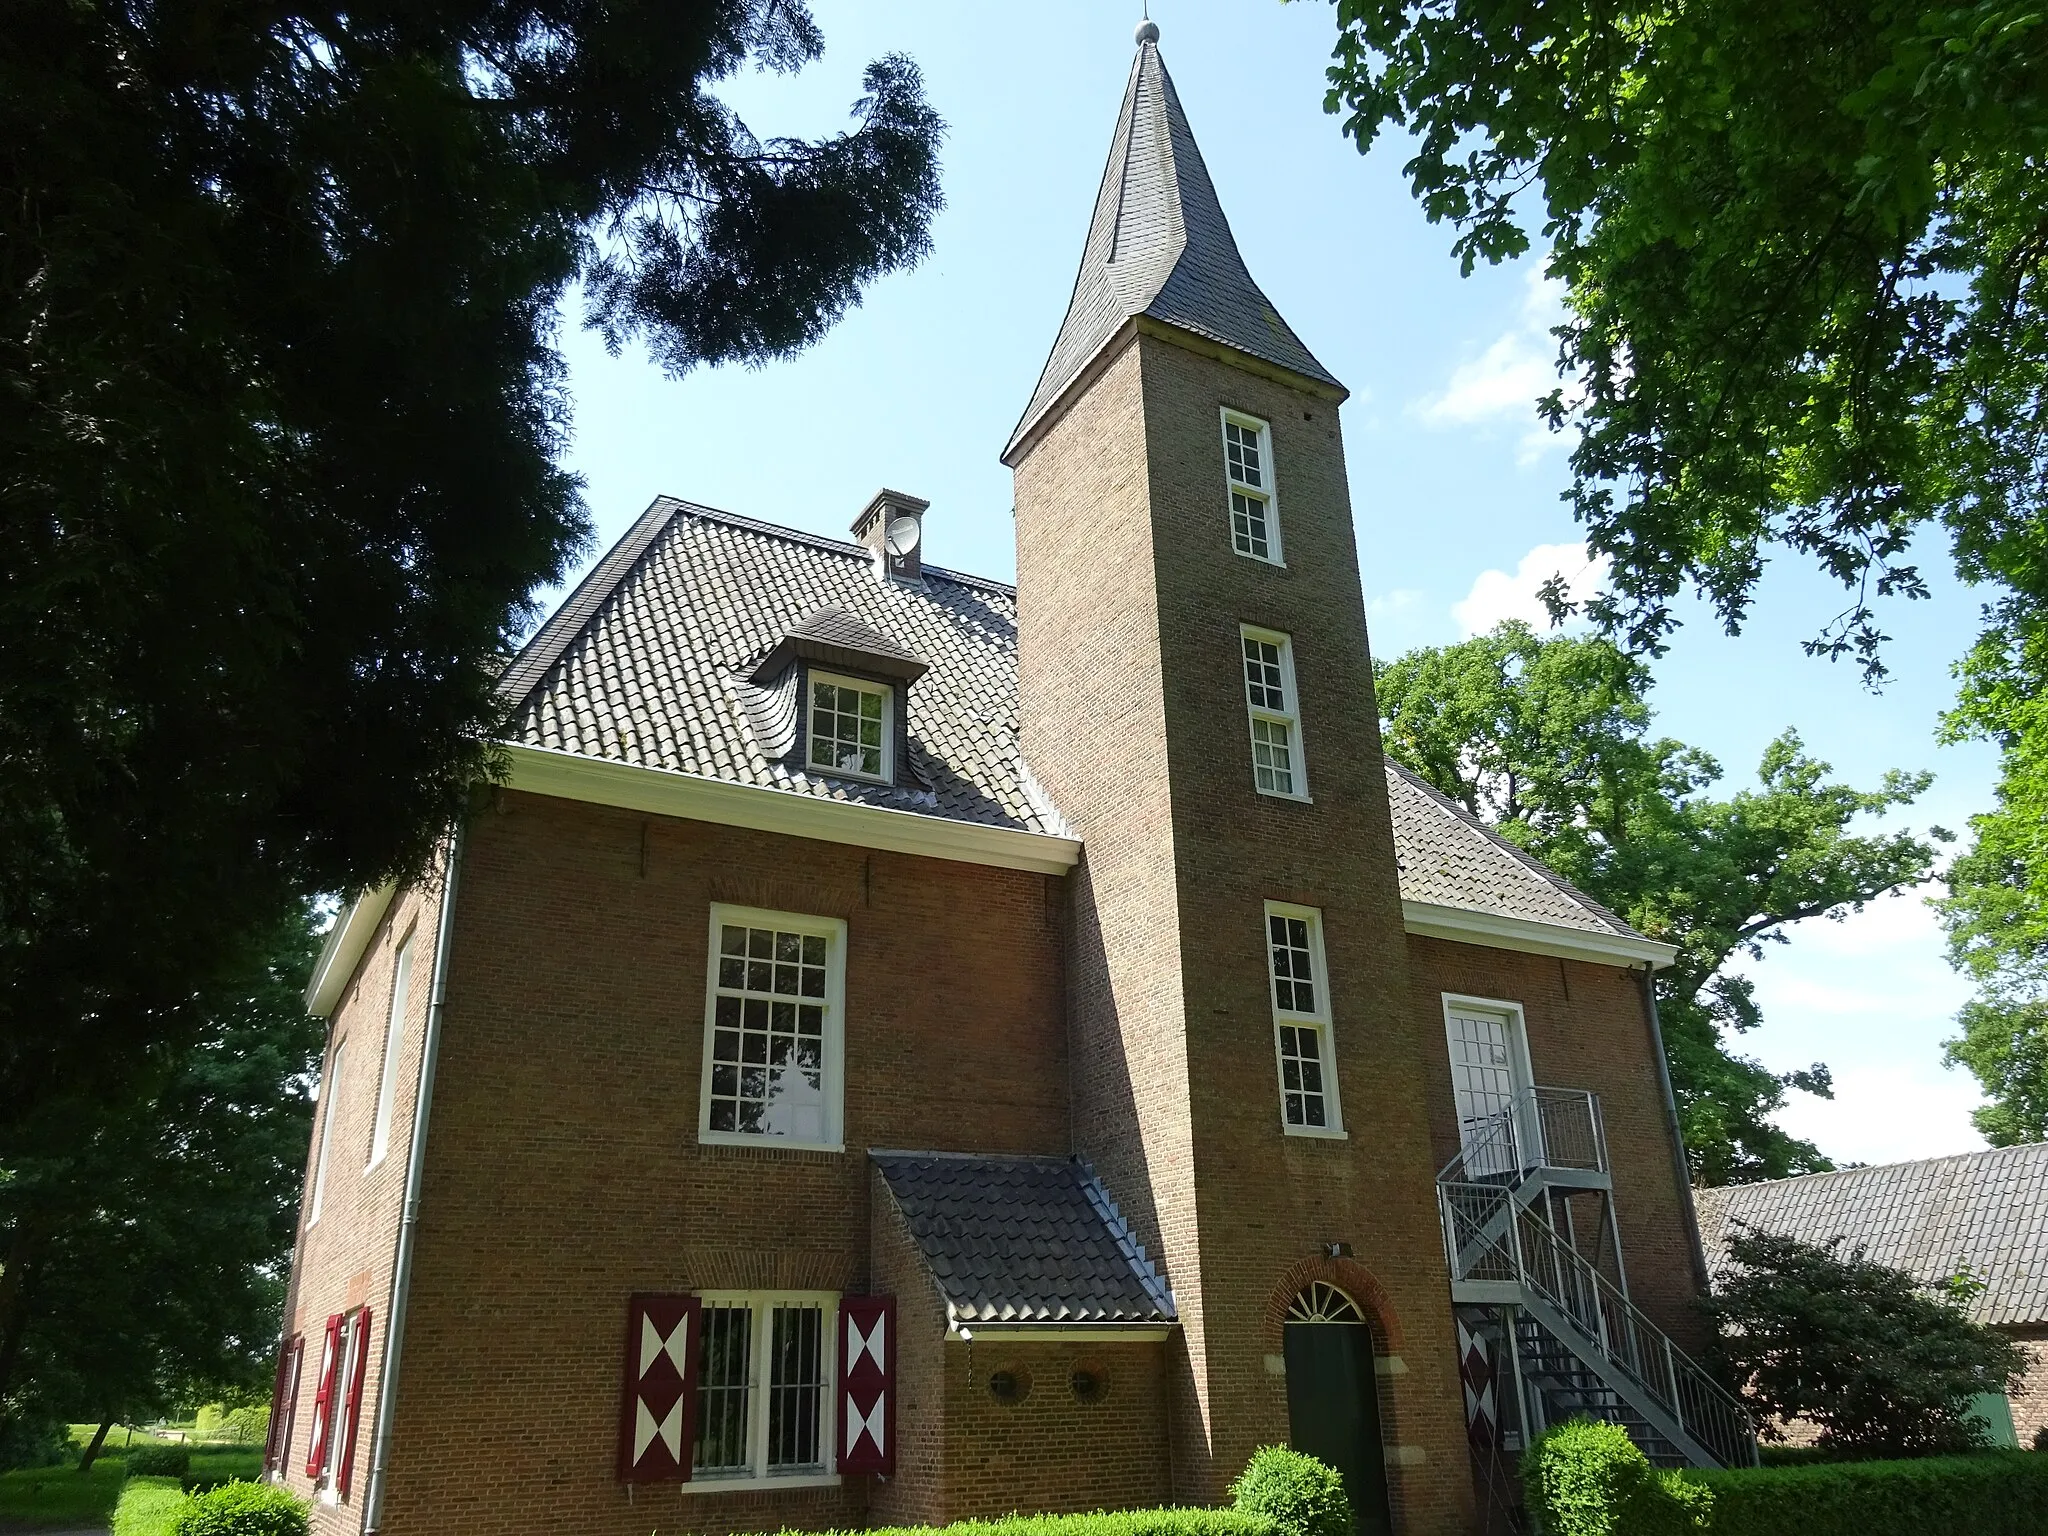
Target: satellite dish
x=904, y=533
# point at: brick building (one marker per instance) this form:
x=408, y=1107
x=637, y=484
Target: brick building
x=1981, y=1212
x=900, y=1047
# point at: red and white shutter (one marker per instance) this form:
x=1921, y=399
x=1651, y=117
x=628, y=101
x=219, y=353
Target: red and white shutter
x=323, y=1395
x=359, y=1351
x=658, y=1408
x=278, y=1443
x=867, y=1384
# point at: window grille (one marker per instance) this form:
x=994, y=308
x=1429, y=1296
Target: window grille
x=1301, y=1020
x=768, y=1034
x=849, y=728
x=1247, y=462
x=1277, y=767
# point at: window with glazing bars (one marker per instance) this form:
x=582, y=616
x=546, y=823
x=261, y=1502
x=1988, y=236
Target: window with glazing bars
x=1277, y=767
x=849, y=727
x=761, y=1387
x=768, y=1033
x=1301, y=1019
x=1248, y=468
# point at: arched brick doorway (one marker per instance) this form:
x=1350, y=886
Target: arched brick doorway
x=1333, y=1404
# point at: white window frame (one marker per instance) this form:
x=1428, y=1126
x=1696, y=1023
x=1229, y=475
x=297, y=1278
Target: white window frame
x=764, y=1304
x=327, y=1109
x=1290, y=716
x=394, y=1046
x=340, y=1423
x=816, y=676
x=1275, y=551
x=1320, y=1020
x=833, y=1048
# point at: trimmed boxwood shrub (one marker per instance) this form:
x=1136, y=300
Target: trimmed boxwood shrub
x=147, y=1507
x=242, y=1509
x=1991, y=1493
x=158, y=1460
x=1121, y=1522
x=1300, y=1495
x=1587, y=1478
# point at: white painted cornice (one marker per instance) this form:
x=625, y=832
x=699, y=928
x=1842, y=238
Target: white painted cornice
x=663, y=792
x=1532, y=938
x=346, y=941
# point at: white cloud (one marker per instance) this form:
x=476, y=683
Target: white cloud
x=1498, y=595
x=1503, y=383
x=1888, y=1114
x=1400, y=600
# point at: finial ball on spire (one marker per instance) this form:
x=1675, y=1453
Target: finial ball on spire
x=1148, y=31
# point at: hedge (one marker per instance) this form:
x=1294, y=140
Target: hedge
x=241, y=1509
x=1991, y=1493
x=1122, y=1522
x=1298, y=1493
x=1589, y=1479
x=148, y=1506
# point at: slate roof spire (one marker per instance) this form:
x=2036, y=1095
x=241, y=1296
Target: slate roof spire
x=1159, y=246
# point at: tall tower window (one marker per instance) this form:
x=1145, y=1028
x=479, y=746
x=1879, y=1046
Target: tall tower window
x=1248, y=469
x=1277, y=765
x=1301, y=1021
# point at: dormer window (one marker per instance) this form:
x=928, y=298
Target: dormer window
x=1248, y=471
x=850, y=727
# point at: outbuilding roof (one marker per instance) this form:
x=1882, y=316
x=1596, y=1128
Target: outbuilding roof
x=1984, y=1211
x=1160, y=246
x=651, y=661
x=1023, y=1240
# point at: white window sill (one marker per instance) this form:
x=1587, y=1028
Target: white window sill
x=758, y=1484
x=1245, y=554
x=1314, y=1133
x=780, y=1143
x=330, y=1498
x=1274, y=794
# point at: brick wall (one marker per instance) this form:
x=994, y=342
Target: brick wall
x=2030, y=1402
x=1587, y=1029
x=563, y=1171
x=344, y=1260
x=1173, y=1033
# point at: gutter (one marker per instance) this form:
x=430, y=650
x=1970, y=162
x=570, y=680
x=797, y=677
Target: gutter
x=1680, y=1163
x=415, y=1172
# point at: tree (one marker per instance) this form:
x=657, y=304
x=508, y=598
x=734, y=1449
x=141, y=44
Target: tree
x=278, y=455
x=152, y=1248
x=1883, y=1365
x=1803, y=250
x=1548, y=741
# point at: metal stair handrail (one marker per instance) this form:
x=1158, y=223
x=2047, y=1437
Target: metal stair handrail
x=1537, y=1127
x=1525, y=1250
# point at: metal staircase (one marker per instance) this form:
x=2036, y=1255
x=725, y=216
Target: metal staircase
x=1580, y=1345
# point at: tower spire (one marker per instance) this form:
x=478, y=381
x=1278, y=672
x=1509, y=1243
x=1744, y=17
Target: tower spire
x=1160, y=246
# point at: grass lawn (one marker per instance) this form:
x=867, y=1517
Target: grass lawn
x=245, y=1462
x=56, y=1497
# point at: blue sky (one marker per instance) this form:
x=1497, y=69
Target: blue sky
x=1454, y=483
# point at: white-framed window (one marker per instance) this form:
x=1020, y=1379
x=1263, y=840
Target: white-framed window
x=342, y=1406
x=330, y=1106
x=1278, y=767
x=394, y=1045
x=851, y=727
x=774, y=1035
x=1248, y=473
x=1300, y=985
x=764, y=1388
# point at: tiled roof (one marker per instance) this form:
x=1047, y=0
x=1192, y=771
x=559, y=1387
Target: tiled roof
x=1023, y=1239
x=1987, y=1211
x=1449, y=859
x=1159, y=245
x=649, y=662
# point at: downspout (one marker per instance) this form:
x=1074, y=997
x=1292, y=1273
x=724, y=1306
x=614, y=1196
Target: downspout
x=1680, y=1163
x=415, y=1170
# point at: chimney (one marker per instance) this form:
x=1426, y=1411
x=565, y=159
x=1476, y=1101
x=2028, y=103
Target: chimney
x=893, y=527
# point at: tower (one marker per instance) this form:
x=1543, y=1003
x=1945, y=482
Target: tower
x=1196, y=697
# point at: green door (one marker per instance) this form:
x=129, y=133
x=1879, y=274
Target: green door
x=1333, y=1414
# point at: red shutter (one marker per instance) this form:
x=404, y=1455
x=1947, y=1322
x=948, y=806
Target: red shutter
x=323, y=1395
x=867, y=1384
x=658, y=1407
x=360, y=1347
x=277, y=1443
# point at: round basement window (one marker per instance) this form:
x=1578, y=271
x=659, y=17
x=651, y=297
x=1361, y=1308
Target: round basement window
x=1090, y=1383
x=1009, y=1385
